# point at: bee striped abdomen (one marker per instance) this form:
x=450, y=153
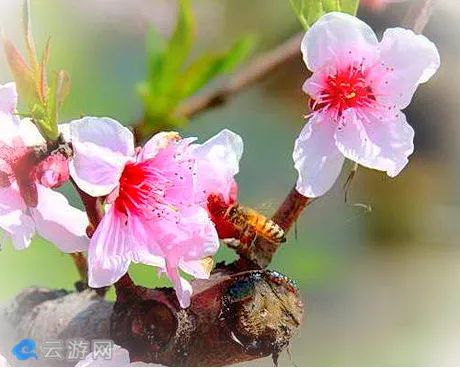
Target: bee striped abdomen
x=264, y=227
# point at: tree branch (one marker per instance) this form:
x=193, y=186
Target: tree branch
x=234, y=317
x=258, y=69
x=286, y=216
x=419, y=14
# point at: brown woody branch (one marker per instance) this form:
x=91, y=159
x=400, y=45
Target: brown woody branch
x=257, y=70
x=286, y=216
x=234, y=317
x=419, y=14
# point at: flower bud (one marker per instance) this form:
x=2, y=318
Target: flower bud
x=53, y=171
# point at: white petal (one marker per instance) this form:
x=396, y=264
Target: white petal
x=29, y=133
x=182, y=286
x=383, y=145
x=19, y=226
x=334, y=36
x=8, y=98
x=217, y=162
x=120, y=358
x=197, y=268
x=9, y=125
x=102, y=147
x=64, y=129
x=412, y=59
x=60, y=223
x=108, y=255
x=158, y=142
x=4, y=362
x=316, y=158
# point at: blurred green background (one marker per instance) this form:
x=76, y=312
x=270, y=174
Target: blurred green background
x=380, y=288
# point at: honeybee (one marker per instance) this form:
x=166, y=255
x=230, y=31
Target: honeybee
x=249, y=223
x=234, y=221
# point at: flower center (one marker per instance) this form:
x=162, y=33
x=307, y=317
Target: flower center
x=142, y=187
x=346, y=88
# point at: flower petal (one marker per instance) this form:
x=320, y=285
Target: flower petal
x=217, y=163
x=378, y=144
x=60, y=223
x=411, y=60
x=8, y=98
x=29, y=133
x=9, y=125
x=13, y=220
x=338, y=36
x=200, y=269
x=4, y=362
x=108, y=255
x=183, y=287
x=102, y=147
x=141, y=235
x=120, y=358
x=316, y=158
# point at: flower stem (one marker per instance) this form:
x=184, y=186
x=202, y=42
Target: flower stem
x=286, y=216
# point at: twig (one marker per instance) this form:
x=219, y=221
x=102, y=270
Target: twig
x=286, y=215
x=259, y=68
x=418, y=14
x=416, y=18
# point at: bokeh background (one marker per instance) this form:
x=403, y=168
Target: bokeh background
x=380, y=288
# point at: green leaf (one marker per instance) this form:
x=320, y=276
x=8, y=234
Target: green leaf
x=300, y=10
x=178, y=48
x=32, y=54
x=23, y=75
x=155, y=53
x=309, y=11
x=349, y=6
x=58, y=92
x=208, y=67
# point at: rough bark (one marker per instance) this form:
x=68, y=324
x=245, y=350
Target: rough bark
x=234, y=317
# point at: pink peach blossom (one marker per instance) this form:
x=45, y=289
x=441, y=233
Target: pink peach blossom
x=358, y=88
x=152, y=196
x=27, y=207
x=217, y=162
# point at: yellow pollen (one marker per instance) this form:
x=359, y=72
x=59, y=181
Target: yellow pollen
x=351, y=95
x=174, y=208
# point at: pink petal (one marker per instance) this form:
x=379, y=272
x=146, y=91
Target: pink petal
x=196, y=268
x=316, y=158
x=157, y=143
x=411, y=60
x=8, y=98
x=13, y=220
x=378, y=144
x=182, y=286
x=109, y=255
x=120, y=358
x=217, y=163
x=60, y=223
x=102, y=147
x=141, y=235
x=338, y=37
